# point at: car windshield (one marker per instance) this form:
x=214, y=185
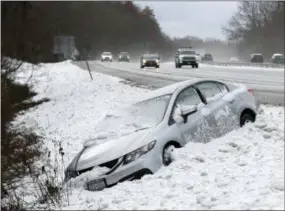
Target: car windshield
x=187, y=52
x=150, y=57
x=124, y=54
x=106, y=53
x=143, y=114
x=279, y=57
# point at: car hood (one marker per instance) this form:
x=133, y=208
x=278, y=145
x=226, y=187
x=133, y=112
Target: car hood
x=93, y=155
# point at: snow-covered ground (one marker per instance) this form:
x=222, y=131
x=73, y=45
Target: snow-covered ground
x=242, y=170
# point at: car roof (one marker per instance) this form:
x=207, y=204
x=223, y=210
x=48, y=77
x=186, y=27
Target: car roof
x=170, y=89
x=278, y=54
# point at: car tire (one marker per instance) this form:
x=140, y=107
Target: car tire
x=179, y=65
x=246, y=118
x=166, y=154
x=157, y=66
x=142, y=67
x=197, y=65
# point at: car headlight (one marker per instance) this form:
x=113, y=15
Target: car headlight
x=157, y=61
x=180, y=57
x=144, y=61
x=130, y=157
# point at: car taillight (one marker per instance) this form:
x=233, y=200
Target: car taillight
x=250, y=91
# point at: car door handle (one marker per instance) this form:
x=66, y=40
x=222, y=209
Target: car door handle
x=232, y=100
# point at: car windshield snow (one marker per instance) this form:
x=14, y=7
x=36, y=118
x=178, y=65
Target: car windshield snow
x=143, y=114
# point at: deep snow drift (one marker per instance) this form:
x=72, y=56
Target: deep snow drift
x=242, y=170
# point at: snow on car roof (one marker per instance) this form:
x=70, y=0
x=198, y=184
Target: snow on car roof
x=277, y=54
x=170, y=89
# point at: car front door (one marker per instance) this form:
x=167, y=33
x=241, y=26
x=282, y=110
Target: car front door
x=192, y=129
x=219, y=112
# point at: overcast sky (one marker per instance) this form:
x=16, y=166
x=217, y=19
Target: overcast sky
x=203, y=19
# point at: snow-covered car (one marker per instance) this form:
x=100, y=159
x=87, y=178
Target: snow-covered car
x=234, y=59
x=278, y=58
x=106, y=56
x=150, y=60
x=139, y=139
x=124, y=57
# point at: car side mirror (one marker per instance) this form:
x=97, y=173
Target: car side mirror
x=181, y=113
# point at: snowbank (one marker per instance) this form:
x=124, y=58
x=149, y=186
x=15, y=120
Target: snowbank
x=76, y=103
x=242, y=170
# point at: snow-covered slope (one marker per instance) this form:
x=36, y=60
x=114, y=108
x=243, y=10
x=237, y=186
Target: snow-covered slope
x=242, y=170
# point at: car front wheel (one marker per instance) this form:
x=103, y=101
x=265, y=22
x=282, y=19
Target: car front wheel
x=167, y=156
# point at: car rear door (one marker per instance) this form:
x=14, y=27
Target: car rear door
x=219, y=112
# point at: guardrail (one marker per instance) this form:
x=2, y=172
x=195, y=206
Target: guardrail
x=245, y=64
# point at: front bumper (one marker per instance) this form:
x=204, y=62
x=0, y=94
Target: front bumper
x=188, y=62
x=151, y=64
x=123, y=60
x=106, y=59
x=146, y=164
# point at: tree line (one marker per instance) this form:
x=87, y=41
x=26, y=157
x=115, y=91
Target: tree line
x=28, y=28
x=258, y=27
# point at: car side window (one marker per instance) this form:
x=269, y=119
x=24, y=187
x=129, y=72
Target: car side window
x=223, y=88
x=188, y=97
x=210, y=90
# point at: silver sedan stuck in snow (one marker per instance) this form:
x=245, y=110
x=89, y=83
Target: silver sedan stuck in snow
x=139, y=140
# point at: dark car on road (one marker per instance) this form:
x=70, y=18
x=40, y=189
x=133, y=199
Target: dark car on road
x=124, y=57
x=278, y=58
x=150, y=60
x=207, y=57
x=256, y=58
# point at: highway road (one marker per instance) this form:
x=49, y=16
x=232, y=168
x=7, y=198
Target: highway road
x=268, y=83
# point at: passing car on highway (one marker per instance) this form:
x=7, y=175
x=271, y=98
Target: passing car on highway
x=278, y=58
x=186, y=56
x=140, y=139
x=256, y=58
x=207, y=57
x=150, y=60
x=106, y=56
x=198, y=57
x=234, y=59
x=124, y=57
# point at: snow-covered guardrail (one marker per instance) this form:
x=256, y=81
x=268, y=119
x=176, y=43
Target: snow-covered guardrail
x=246, y=64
